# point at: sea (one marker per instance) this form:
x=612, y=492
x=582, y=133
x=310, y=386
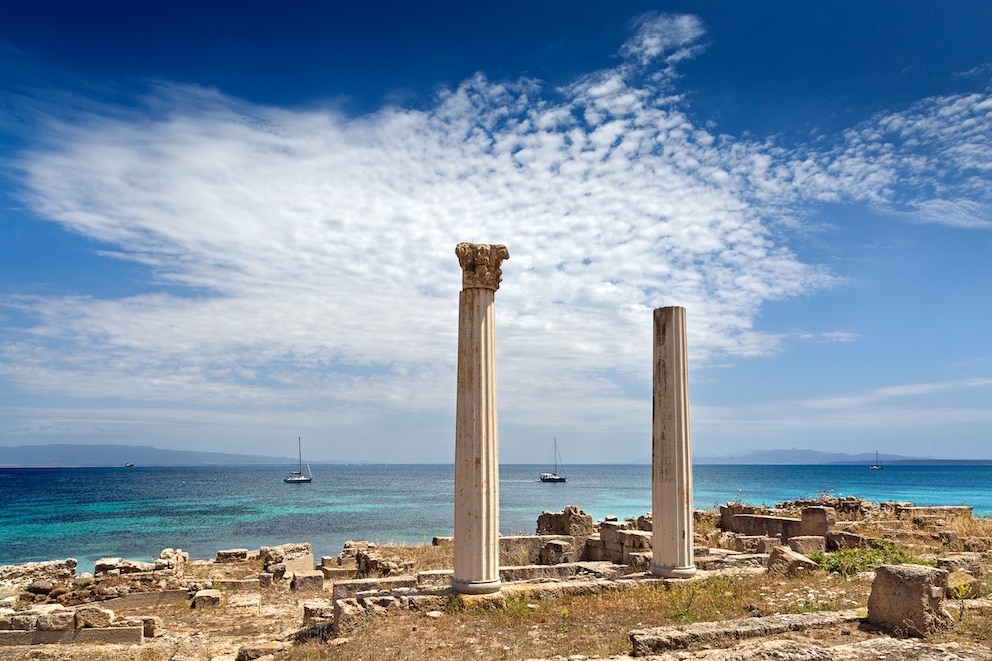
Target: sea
x=134, y=513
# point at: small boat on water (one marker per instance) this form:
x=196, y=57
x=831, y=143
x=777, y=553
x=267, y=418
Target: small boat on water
x=298, y=476
x=553, y=476
x=877, y=466
x=129, y=465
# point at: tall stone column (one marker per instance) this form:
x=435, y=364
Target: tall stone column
x=476, y=435
x=671, y=454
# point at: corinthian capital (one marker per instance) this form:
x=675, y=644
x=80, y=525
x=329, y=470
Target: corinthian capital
x=481, y=264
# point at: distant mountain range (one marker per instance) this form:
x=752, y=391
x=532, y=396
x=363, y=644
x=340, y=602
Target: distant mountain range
x=796, y=456
x=87, y=456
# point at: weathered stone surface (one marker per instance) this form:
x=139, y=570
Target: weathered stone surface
x=231, y=555
x=19, y=576
x=784, y=560
x=317, y=610
x=807, y=544
x=556, y=552
x=258, y=650
x=949, y=540
x=609, y=531
x=308, y=581
x=24, y=621
x=653, y=641
x=974, y=545
x=207, y=598
x=57, y=620
x=570, y=521
x=93, y=617
x=111, y=635
x=842, y=539
x=969, y=562
x=40, y=586
x=104, y=565
x=151, y=625
x=748, y=543
x=909, y=600
x=962, y=585
x=768, y=544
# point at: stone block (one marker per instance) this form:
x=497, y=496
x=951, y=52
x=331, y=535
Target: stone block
x=909, y=600
x=961, y=585
x=264, y=579
x=949, y=540
x=347, y=615
x=207, y=598
x=817, y=520
x=807, y=544
x=308, y=581
x=635, y=539
x=747, y=543
x=974, y=545
x=556, y=552
x=784, y=560
x=302, y=563
x=570, y=521
x=841, y=539
x=151, y=625
x=259, y=650
x=40, y=586
x=24, y=621
x=608, y=531
x=134, y=567
x=104, y=565
x=231, y=555
x=317, y=610
x=768, y=544
x=93, y=617
x=57, y=620
x=969, y=562
x=595, y=550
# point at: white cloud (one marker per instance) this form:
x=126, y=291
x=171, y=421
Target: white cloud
x=318, y=249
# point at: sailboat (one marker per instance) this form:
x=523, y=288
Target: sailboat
x=297, y=476
x=553, y=476
x=877, y=466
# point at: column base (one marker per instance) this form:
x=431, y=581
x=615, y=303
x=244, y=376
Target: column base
x=476, y=587
x=673, y=572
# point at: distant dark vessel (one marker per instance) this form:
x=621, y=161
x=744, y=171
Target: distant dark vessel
x=129, y=465
x=553, y=476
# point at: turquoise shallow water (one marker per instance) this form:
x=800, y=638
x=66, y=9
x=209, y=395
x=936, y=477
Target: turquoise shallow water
x=89, y=513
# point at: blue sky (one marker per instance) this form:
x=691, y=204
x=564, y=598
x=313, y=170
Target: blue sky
x=223, y=226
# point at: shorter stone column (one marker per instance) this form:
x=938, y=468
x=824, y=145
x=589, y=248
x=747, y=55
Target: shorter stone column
x=671, y=456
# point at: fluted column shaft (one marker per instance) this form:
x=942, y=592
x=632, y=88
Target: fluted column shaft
x=476, y=430
x=671, y=453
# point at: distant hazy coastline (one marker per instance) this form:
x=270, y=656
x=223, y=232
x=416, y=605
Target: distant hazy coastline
x=98, y=456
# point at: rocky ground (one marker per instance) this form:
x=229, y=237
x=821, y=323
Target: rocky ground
x=256, y=615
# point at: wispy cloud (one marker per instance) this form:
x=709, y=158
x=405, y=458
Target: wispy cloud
x=313, y=257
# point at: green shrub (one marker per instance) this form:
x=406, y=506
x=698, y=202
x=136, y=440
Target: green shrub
x=849, y=562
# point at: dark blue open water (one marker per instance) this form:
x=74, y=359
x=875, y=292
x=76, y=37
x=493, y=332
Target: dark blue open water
x=89, y=513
